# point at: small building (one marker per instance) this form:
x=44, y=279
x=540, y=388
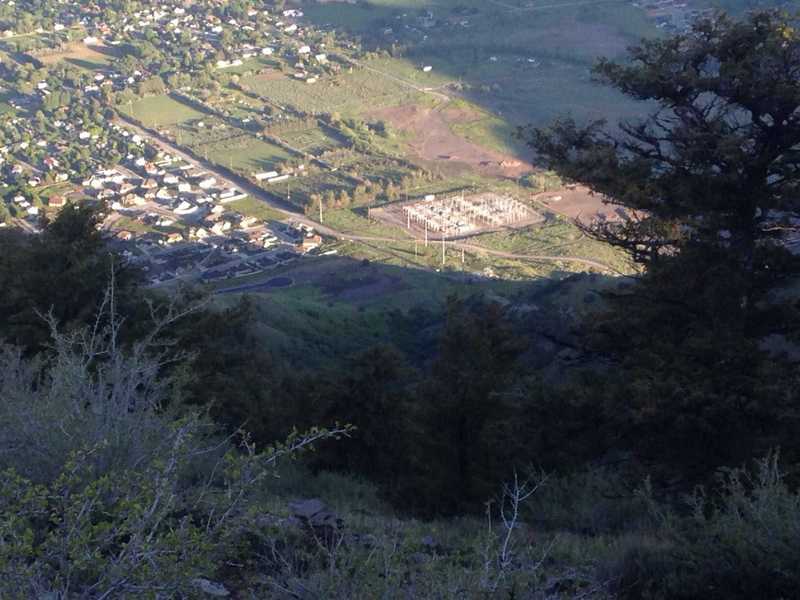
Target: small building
x=207, y=183
x=311, y=242
x=277, y=179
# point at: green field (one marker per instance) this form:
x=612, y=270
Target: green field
x=349, y=93
x=252, y=207
x=555, y=238
x=356, y=222
x=161, y=110
x=238, y=104
x=249, y=65
x=313, y=140
x=5, y=96
x=489, y=131
x=300, y=189
x=243, y=153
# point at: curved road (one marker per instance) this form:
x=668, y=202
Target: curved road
x=283, y=208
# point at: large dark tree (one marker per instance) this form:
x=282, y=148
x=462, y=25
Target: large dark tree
x=717, y=162
x=464, y=417
x=712, y=180
x=64, y=271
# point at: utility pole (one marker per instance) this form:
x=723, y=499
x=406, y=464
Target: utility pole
x=426, y=233
x=443, y=248
x=320, y=209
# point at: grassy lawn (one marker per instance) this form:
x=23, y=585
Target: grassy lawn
x=555, y=238
x=249, y=65
x=488, y=130
x=352, y=222
x=57, y=188
x=312, y=140
x=5, y=96
x=408, y=255
x=132, y=225
x=160, y=110
x=411, y=71
x=243, y=153
x=95, y=64
x=252, y=207
x=347, y=94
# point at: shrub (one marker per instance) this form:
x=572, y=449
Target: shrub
x=102, y=493
x=741, y=543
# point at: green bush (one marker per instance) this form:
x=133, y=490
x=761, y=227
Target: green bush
x=741, y=543
x=103, y=494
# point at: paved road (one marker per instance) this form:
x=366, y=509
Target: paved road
x=323, y=229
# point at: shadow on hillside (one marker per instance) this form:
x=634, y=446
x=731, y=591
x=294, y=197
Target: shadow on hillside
x=330, y=307
x=518, y=61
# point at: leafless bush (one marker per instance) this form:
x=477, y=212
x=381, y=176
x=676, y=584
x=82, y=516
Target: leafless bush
x=87, y=390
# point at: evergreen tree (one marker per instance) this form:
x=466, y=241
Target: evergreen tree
x=711, y=179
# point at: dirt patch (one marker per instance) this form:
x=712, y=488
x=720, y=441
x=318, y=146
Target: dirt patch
x=433, y=139
x=79, y=51
x=580, y=203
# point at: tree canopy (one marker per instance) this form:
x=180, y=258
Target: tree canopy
x=710, y=179
x=716, y=162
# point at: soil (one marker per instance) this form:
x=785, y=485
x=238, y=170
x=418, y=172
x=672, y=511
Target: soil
x=433, y=140
x=578, y=202
x=77, y=50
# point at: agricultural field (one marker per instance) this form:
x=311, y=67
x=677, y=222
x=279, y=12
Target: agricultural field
x=160, y=111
